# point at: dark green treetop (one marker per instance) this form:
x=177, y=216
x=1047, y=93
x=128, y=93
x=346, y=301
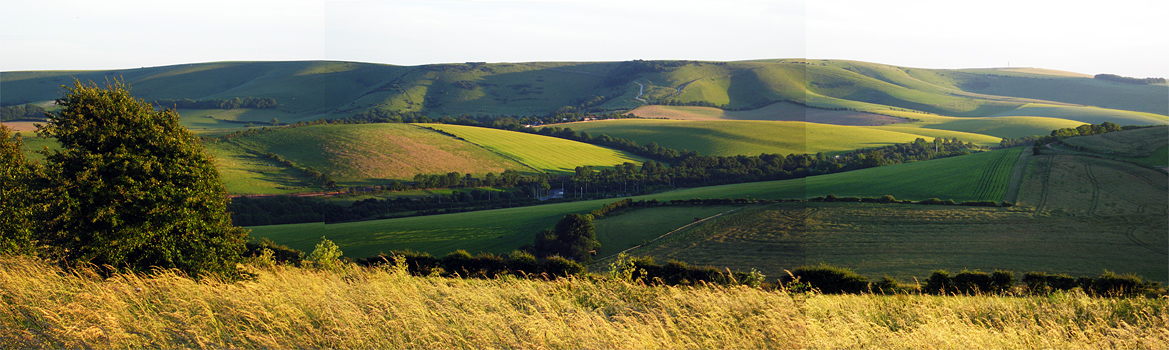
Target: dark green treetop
x=130, y=187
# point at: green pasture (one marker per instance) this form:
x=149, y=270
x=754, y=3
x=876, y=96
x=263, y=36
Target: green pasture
x=492, y=231
x=358, y=154
x=747, y=137
x=1159, y=157
x=245, y=172
x=1088, y=115
x=1145, y=146
x=1003, y=126
x=1135, y=143
x=543, y=153
x=620, y=232
x=963, y=178
x=501, y=230
x=201, y=121
x=1075, y=90
x=905, y=241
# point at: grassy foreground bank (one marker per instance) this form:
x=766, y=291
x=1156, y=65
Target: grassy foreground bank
x=282, y=307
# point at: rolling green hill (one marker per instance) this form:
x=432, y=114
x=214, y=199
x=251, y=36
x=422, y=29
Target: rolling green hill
x=326, y=89
x=372, y=154
x=543, y=153
x=1089, y=115
x=752, y=137
x=1140, y=142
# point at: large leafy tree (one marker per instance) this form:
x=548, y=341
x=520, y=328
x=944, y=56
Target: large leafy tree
x=16, y=197
x=130, y=187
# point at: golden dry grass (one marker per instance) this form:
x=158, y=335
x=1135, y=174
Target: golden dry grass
x=45, y=307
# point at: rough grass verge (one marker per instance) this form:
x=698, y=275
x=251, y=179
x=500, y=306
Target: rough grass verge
x=283, y=307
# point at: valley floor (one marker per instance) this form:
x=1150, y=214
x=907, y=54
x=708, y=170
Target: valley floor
x=282, y=307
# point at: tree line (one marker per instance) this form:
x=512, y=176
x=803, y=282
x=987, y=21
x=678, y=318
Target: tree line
x=231, y=103
x=24, y=111
x=1060, y=134
x=278, y=210
x=1129, y=80
x=836, y=280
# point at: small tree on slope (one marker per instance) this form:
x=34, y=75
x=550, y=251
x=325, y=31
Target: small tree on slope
x=130, y=187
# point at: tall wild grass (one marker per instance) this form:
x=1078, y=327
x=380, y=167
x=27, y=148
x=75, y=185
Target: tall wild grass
x=44, y=306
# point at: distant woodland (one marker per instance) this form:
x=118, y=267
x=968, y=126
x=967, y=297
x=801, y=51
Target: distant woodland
x=25, y=111
x=1130, y=80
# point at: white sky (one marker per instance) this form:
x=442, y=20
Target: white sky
x=1126, y=37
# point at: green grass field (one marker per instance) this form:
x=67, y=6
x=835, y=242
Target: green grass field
x=543, y=153
x=617, y=233
x=245, y=172
x=743, y=137
x=780, y=111
x=1087, y=115
x=363, y=154
x=209, y=121
x=503, y=230
x=905, y=241
x=493, y=231
x=1000, y=127
x=1138, y=143
x=958, y=178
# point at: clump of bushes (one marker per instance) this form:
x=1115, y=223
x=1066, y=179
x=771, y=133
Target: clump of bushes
x=829, y=279
x=644, y=270
x=970, y=282
x=460, y=263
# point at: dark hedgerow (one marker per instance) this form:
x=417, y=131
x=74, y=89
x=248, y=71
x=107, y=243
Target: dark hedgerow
x=830, y=279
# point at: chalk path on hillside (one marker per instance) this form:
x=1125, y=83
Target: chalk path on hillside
x=640, y=91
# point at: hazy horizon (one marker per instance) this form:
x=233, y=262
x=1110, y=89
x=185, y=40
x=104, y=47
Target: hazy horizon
x=1122, y=38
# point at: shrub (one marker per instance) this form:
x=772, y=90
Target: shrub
x=972, y=282
x=326, y=255
x=280, y=253
x=831, y=280
x=456, y=262
x=939, y=282
x=886, y=285
x=1112, y=284
x=522, y=263
x=560, y=267
x=1042, y=282
x=1002, y=281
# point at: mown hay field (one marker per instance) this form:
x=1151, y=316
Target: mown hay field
x=1138, y=143
x=1065, y=184
x=905, y=241
x=284, y=307
x=745, y=137
x=544, y=153
x=781, y=111
x=621, y=232
x=359, y=154
x=1088, y=115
